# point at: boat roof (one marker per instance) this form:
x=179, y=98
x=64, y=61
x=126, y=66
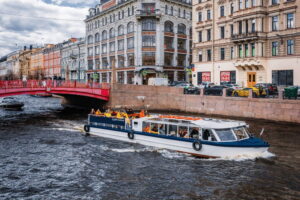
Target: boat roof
x=207, y=123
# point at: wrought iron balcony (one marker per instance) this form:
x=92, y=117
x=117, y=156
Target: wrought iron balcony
x=245, y=36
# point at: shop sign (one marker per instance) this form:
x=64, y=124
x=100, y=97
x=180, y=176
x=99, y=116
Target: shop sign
x=205, y=76
x=225, y=76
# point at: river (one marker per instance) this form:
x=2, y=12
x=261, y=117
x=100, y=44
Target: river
x=43, y=155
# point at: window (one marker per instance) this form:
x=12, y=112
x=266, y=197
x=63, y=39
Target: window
x=120, y=78
x=97, y=63
x=90, y=39
x=231, y=8
x=130, y=59
x=181, y=44
x=112, y=33
x=200, y=17
x=290, y=20
x=290, y=47
x=240, y=4
x=181, y=60
x=231, y=29
x=253, y=25
x=149, y=25
x=121, y=61
x=130, y=43
x=200, y=56
x=222, y=11
x=179, y=12
x=121, y=30
x=208, y=15
x=169, y=59
x=169, y=43
x=253, y=3
x=240, y=27
x=90, y=64
x=275, y=23
x=225, y=134
x=247, y=4
x=112, y=46
x=274, y=48
x=97, y=50
x=97, y=37
x=209, y=55
x=148, y=40
x=246, y=50
x=275, y=2
x=148, y=58
x=166, y=9
x=130, y=27
x=104, y=35
x=222, y=53
x=104, y=48
x=181, y=29
x=283, y=77
x=222, y=32
x=200, y=36
x=169, y=27
x=171, y=11
x=90, y=51
x=240, y=51
x=231, y=52
x=208, y=35
x=120, y=45
x=252, y=49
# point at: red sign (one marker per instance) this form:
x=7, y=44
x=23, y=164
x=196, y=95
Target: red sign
x=205, y=76
x=225, y=76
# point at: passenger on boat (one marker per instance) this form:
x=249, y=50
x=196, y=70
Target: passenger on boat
x=98, y=112
x=154, y=129
x=195, y=133
x=207, y=135
x=142, y=113
x=92, y=111
x=161, y=130
x=147, y=129
x=182, y=132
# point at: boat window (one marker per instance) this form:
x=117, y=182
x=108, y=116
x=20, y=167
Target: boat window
x=207, y=134
x=240, y=133
x=183, y=131
x=225, y=134
x=154, y=128
x=194, y=132
x=162, y=129
x=172, y=130
x=146, y=127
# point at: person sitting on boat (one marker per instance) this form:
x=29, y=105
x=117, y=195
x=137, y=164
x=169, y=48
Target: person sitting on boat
x=119, y=115
x=142, y=113
x=113, y=113
x=154, y=129
x=107, y=114
x=98, y=112
x=129, y=111
x=161, y=130
x=92, y=111
x=194, y=133
x=182, y=132
x=147, y=129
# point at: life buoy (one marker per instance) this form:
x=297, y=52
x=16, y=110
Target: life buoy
x=86, y=128
x=197, y=145
x=130, y=135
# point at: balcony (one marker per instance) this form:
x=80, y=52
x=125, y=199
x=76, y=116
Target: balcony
x=156, y=13
x=246, y=36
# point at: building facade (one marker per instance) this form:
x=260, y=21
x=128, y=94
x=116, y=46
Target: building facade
x=52, y=60
x=73, y=60
x=246, y=41
x=130, y=41
x=37, y=70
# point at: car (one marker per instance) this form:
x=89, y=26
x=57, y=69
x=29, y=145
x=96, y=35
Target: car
x=218, y=90
x=175, y=83
x=245, y=92
x=299, y=91
x=206, y=84
x=271, y=88
x=233, y=86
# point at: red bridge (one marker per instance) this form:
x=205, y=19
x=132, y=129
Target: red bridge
x=92, y=90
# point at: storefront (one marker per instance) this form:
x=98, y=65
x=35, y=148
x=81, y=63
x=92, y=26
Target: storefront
x=228, y=77
x=203, y=77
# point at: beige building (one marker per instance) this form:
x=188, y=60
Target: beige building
x=246, y=41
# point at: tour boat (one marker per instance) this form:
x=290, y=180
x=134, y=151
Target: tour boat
x=208, y=138
x=10, y=103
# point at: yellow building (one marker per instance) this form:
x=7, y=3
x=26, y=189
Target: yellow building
x=36, y=69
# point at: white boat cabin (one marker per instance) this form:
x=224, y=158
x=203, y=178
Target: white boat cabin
x=203, y=129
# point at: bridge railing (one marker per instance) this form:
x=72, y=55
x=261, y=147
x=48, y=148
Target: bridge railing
x=51, y=84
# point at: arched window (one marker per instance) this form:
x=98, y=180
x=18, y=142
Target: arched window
x=121, y=30
x=169, y=27
x=149, y=25
x=97, y=37
x=130, y=27
x=112, y=33
x=90, y=39
x=104, y=35
x=181, y=29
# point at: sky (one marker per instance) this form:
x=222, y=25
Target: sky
x=38, y=22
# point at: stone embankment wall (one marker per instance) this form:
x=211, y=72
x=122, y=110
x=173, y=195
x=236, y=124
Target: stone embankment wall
x=170, y=98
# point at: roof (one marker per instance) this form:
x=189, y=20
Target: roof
x=219, y=123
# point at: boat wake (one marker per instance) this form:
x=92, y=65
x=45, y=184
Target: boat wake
x=264, y=155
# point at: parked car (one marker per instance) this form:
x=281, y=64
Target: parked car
x=218, y=90
x=245, y=92
x=206, y=85
x=175, y=83
x=188, y=88
x=271, y=88
x=233, y=86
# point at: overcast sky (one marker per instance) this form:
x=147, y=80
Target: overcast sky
x=21, y=23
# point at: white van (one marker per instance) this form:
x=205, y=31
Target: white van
x=158, y=81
